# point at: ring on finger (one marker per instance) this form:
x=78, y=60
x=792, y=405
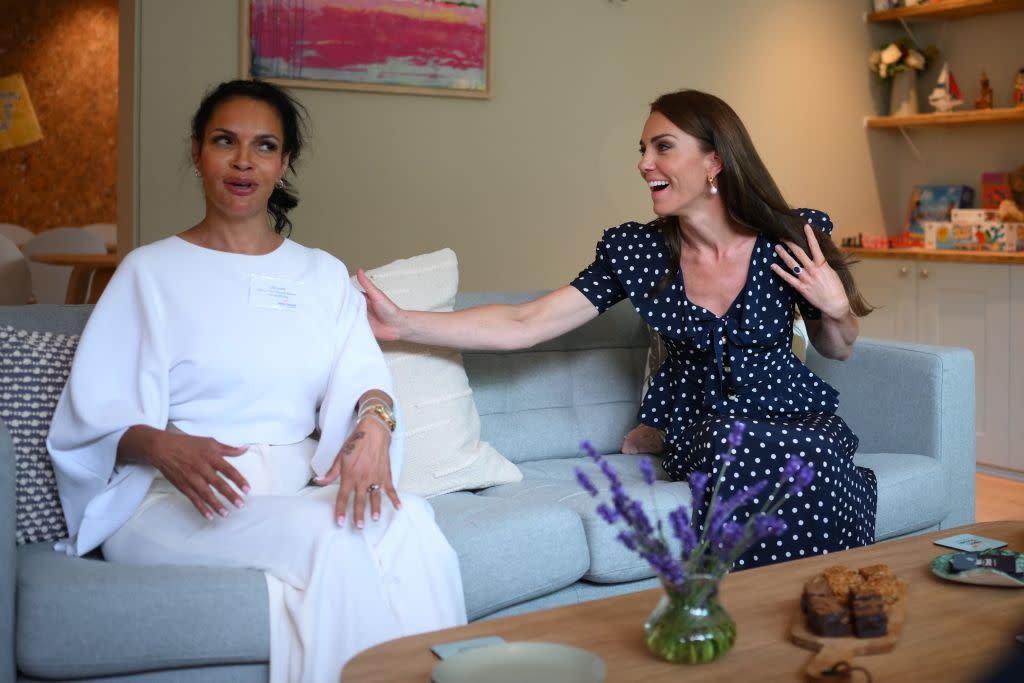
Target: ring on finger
x=373, y=488
x=797, y=270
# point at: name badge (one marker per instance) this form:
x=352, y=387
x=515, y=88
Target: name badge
x=277, y=293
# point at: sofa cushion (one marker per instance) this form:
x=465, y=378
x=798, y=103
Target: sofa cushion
x=511, y=551
x=911, y=492
x=554, y=481
x=443, y=450
x=81, y=617
x=34, y=367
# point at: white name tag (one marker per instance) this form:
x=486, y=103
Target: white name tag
x=277, y=293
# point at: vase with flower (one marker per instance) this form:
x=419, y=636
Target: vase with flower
x=898, y=63
x=689, y=625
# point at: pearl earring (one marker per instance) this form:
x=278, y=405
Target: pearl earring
x=712, y=186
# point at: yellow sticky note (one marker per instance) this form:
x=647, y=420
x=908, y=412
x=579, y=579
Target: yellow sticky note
x=18, y=123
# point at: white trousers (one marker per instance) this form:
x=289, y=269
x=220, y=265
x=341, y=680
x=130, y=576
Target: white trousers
x=333, y=591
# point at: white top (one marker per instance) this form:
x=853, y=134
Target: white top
x=240, y=348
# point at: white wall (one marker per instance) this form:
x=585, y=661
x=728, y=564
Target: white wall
x=521, y=185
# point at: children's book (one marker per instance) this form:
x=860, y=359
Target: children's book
x=934, y=203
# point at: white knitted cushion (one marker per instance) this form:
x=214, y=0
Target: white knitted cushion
x=33, y=369
x=443, y=450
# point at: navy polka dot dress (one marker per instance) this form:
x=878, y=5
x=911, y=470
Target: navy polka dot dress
x=741, y=367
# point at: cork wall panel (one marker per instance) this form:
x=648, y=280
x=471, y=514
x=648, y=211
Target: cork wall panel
x=66, y=50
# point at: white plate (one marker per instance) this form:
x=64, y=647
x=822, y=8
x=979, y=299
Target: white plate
x=522, y=661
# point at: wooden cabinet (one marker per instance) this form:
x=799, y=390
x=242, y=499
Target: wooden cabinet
x=957, y=304
x=1016, y=370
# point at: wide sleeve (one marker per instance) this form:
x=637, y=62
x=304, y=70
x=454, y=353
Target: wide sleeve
x=119, y=378
x=358, y=366
x=599, y=281
x=820, y=221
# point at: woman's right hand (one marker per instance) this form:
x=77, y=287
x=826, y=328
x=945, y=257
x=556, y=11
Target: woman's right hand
x=385, y=317
x=643, y=439
x=197, y=466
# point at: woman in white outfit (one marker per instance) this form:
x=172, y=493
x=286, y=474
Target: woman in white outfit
x=183, y=434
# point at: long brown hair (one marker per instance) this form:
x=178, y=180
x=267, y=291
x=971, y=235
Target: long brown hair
x=751, y=197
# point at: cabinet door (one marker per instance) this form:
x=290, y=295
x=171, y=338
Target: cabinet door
x=1015, y=456
x=962, y=304
x=891, y=285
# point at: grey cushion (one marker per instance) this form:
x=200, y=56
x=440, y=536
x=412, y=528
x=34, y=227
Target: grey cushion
x=509, y=551
x=84, y=617
x=911, y=492
x=34, y=367
x=554, y=481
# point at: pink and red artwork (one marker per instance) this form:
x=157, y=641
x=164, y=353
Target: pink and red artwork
x=420, y=46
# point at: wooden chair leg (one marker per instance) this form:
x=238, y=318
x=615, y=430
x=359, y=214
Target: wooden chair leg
x=99, y=282
x=78, y=284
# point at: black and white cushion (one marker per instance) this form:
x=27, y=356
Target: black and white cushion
x=33, y=369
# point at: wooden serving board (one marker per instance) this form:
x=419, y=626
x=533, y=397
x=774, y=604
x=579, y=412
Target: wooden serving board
x=831, y=651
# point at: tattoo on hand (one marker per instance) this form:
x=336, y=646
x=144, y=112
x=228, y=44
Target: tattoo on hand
x=351, y=445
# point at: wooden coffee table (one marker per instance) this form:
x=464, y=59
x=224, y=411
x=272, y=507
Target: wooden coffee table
x=953, y=631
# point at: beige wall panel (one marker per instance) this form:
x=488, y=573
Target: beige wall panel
x=521, y=185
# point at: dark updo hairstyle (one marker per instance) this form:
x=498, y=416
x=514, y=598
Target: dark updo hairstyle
x=293, y=122
x=751, y=197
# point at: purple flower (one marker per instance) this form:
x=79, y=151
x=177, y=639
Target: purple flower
x=627, y=539
x=768, y=525
x=647, y=469
x=608, y=514
x=803, y=478
x=609, y=471
x=589, y=449
x=681, y=529
x=793, y=466
x=735, y=437
x=724, y=509
x=698, y=482
x=730, y=536
x=585, y=482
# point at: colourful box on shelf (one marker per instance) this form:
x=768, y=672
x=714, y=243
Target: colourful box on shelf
x=947, y=235
x=974, y=216
x=935, y=203
x=995, y=187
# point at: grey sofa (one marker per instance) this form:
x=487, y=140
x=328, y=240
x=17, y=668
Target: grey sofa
x=523, y=546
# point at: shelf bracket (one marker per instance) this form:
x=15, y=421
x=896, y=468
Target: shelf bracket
x=906, y=27
x=913, y=147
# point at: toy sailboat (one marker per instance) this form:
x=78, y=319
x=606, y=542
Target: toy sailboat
x=946, y=94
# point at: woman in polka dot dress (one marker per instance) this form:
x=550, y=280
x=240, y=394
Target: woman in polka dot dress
x=717, y=275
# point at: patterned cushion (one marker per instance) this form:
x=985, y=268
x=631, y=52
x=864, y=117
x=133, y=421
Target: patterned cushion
x=33, y=369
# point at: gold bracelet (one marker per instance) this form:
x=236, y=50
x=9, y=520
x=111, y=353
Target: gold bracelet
x=381, y=412
x=371, y=414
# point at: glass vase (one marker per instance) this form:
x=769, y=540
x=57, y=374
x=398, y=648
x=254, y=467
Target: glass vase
x=689, y=626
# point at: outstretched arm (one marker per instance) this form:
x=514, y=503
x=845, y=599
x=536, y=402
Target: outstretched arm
x=492, y=327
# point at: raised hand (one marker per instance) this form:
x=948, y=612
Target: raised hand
x=198, y=467
x=383, y=314
x=643, y=439
x=813, y=277
x=364, y=466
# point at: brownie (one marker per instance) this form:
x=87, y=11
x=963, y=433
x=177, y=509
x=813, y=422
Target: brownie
x=869, y=617
x=888, y=587
x=874, y=570
x=841, y=580
x=816, y=587
x=826, y=617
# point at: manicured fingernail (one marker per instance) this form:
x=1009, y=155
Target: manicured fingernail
x=209, y=516
x=245, y=489
x=376, y=516
x=359, y=524
x=223, y=512
x=239, y=503
x=341, y=520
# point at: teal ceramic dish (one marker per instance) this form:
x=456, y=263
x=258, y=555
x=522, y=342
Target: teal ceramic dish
x=982, y=576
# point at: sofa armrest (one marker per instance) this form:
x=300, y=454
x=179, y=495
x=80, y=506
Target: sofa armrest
x=900, y=397
x=8, y=555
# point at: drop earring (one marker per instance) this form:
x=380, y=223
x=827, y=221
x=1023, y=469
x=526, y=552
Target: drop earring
x=279, y=183
x=712, y=185
x=197, y=173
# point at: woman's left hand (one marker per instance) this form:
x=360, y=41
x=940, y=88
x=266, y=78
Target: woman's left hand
x=364, y=465
x=813, y=277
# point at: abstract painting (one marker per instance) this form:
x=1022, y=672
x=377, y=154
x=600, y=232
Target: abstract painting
x=426, y=47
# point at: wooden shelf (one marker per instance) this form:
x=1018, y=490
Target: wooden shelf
x=946, y=9
x=954, y=255
x=954, y=118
